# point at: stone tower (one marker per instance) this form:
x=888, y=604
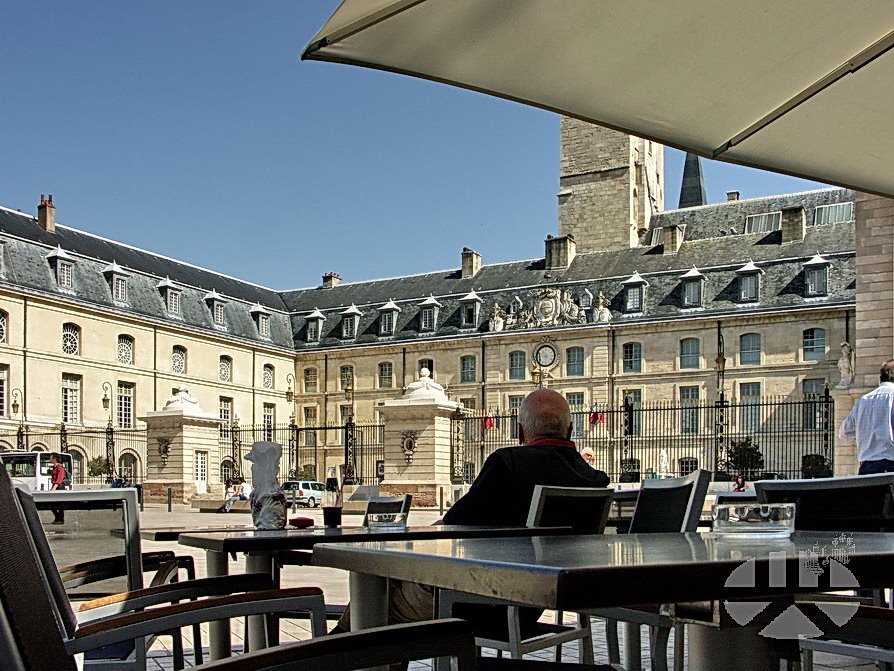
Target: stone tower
x=610, y=184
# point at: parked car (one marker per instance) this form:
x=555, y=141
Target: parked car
x=306, y=492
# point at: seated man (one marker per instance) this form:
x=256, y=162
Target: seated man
x=501, y=496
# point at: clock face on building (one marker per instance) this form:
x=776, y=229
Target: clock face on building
x=545, y=355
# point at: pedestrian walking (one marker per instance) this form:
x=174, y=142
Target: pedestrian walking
x=871, y=421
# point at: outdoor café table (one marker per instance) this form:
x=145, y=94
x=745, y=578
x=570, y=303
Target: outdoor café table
x=262, y=545
x=570, y=572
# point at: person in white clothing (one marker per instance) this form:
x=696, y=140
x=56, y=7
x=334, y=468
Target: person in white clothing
x=871, y=421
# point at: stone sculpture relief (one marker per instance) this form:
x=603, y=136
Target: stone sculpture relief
x=540, y=307
x=846, y=366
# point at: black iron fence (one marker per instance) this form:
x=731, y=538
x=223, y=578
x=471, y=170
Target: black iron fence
x=304, y=449
x=98, y=453
x=759, y=437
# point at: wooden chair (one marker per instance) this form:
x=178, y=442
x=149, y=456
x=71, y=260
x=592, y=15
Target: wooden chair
x=586, y=510
x=669, y=504
x=37, y=605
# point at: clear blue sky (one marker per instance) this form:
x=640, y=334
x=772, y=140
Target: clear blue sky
x=193, y=130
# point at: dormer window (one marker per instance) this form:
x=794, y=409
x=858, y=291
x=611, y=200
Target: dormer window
x=692, y=281
x=262, y=319
x=117, y=279
x=217, y=305
x=387, y=318
x=349, y=321
x=749, y=282
x=314, y=325
x=586, y=300
x=428, y=314
x=171, y=293
x=763, y=223
x=634, y=288
x=63, y=264
x=470, y=303
x=833, y=214
x=816, y=276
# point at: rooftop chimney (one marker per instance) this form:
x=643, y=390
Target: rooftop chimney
x=732, y=195
x=560, y=251
x=672, y=237
x=794, y=224
x=46, y=214
x=331, y=280
x=471, y=263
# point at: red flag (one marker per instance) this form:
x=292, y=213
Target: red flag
x=596, y=416
x=487, y=422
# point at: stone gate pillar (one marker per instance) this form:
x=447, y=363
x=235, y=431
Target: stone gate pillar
x=417, y=441
x=174, y=436
x=874, y=328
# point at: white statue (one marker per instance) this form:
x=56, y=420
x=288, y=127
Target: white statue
x=425, y=387
x=846, y=366
x=268, y=503
x=663, y=464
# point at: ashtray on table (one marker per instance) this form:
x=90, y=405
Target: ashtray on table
x=754, y=520
x=386, y=520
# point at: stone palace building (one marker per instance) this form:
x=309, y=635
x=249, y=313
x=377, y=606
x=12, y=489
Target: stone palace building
x=754, y=297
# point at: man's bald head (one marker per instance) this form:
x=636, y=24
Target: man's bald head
x=544, y=414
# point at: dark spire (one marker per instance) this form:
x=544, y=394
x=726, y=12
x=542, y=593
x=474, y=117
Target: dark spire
x=692, y=190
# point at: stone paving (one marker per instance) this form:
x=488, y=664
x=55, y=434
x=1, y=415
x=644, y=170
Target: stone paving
x=335, y=586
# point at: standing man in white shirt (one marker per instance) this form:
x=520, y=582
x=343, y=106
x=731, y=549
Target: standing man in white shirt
x=871, y=420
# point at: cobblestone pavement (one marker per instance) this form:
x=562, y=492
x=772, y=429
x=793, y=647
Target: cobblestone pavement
x=335, y=586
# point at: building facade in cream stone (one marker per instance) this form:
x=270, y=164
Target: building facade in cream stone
x=629, y=300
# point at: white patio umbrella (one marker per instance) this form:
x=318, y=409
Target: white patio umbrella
x=803, y=87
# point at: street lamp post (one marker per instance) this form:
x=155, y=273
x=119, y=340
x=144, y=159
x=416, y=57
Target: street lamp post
x=721, y=407
x=290, y=396
x=350, y=427
x=110, y=430
x=20, y=431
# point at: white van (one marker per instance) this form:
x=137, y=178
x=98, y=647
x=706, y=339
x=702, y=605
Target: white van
x=31, y=470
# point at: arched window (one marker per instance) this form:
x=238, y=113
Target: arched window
x=574, y=361
x=689, y=353
x=178, y=360
x=4, y=320
x=227, y=470
x=427, y=363
x=750, y=348
x=71, y=338
x=633, y=357
x=268, y=377
x=814, y=344
x=386, y=375
x=225, y=369
x=129, y=466
x=77, y=465
x=517, y=365
x=125, y=350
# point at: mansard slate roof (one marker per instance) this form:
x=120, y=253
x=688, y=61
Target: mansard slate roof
x=26, y=246
x=709, y=246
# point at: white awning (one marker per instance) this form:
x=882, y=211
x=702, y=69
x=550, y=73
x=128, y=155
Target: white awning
x=798, y=87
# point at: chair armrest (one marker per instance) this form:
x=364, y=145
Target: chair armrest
x=369, y=647
x=176, y=591
x=129, y=626
x=88, y=572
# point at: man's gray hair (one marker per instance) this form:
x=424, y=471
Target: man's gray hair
x=548, y=420
x=886, y=372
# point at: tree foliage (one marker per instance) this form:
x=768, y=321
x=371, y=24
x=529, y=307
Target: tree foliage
x=744, y=457
x=97, y=466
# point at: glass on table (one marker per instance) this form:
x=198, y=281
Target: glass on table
x=766, y=520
